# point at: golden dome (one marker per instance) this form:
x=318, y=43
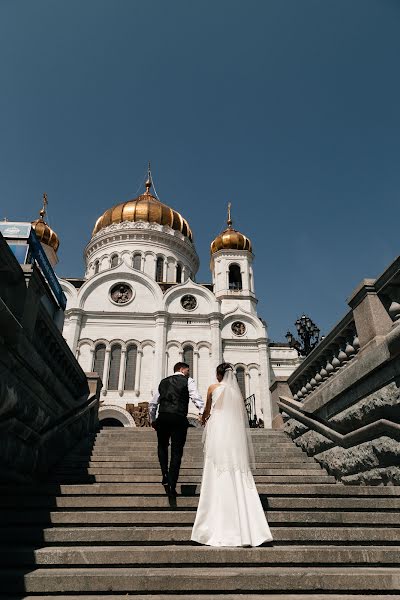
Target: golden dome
x=44, y=232
x=230, y=239
x=147, y=208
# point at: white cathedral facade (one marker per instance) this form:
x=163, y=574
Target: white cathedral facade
x=138, y=309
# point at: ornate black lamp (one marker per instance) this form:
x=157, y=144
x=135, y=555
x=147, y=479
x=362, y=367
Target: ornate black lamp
x=308, y=333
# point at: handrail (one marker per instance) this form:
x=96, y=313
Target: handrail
x=347, y=440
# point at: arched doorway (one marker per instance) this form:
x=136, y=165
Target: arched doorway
x=110, y=422
x=112, y=413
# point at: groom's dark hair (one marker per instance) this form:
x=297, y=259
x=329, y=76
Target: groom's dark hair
x=180, y=365
x=223, y=367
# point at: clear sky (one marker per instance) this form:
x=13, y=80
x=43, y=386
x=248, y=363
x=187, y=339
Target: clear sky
x=290, y=109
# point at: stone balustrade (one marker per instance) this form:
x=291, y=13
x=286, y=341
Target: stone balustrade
x=328, y=359
x=48, y=404
x=342, y=404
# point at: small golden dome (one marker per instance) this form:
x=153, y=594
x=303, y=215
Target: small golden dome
x=230, y=239
x=44, y=232
x=147, y=208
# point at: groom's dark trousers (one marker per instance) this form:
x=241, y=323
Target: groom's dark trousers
x=172, y=424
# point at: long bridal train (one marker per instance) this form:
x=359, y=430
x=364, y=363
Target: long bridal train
x=230, y=512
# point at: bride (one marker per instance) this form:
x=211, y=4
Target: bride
x=230, y=511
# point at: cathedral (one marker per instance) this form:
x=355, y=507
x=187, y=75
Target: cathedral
x=138, y=309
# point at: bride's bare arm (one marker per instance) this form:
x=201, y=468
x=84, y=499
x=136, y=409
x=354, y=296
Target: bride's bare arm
x=206, y=412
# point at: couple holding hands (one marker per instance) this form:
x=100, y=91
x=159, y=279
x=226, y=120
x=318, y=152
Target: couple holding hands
x=229, y=512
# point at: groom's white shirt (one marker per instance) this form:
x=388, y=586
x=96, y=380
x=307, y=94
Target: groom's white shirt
x=194, y=396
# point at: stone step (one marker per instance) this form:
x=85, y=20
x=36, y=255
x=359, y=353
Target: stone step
x=181, y=517
x=285, y=596
x=123, y=467
x=276, y=461
x=187, y=502
x=192, y=444
x=188, y=452
x=225, y=579
x=158, y=535
x=198, y=460
x=141, y=489
x=197, y=555
x=87, y=477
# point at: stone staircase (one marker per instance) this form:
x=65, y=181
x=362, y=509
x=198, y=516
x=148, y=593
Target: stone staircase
x=102, y=528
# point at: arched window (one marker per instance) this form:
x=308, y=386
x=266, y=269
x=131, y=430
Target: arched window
x=178, y=274
x=96, y=267
x=137, y=262
x=241, y=381
x=99, y=357
x=114, y=260
x=160, y=269
x=188, y=358
x=115, y=361
x=130, y=371
x=235, y=277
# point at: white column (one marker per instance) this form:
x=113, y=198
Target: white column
x=184, y=273
x=121, y=377
x=106, y=370
x=160, y=342
x=74, y=330
x=247, y=383
x=138, y=371
x=165, y=270
x=195, y=375
x=216, y=345
x=265, y=397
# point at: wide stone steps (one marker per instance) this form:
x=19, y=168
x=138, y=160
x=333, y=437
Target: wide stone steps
x=240, y=596
x=200, y=579
x=181, y=517
x=195, y=555
x=148, y=503
x=100, y=477
x=104, y=529
x=158, y=535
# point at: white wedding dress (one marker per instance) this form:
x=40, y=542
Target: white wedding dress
x=229, y=511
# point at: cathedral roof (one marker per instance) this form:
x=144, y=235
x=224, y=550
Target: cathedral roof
x=230, y=239
x=44, y=232
x=147, y=208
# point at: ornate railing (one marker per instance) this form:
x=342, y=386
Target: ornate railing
x=329, y=358
x=342, y=404
x=250, y=404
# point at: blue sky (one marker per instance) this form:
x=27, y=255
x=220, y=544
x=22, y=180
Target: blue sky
x=290, y=109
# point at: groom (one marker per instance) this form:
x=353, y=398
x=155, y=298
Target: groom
x=172, y=398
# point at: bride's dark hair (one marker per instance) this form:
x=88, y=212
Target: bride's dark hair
x=222, y=368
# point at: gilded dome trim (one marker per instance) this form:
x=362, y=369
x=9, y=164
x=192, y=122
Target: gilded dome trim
x=147, y=208
x=230, y=239
x=44, y=232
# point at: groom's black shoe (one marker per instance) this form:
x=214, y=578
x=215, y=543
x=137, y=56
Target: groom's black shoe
x=165, y=480
x=172, y=493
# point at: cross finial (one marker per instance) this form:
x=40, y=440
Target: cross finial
x=148, y=182
x=229, y=215
x=42, y=212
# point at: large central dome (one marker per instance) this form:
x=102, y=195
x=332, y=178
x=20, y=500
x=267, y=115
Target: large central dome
x=146, y=208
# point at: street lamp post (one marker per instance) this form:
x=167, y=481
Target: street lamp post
x=308, y=333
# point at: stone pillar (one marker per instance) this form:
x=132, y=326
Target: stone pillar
x=370, y=316
x=278, y=388
x=160, y=342
x=138, y=371
x=106, y=370
x=196, y=355
x=265, y=384
x=75, y=323
x=247, y=383
x=122, y=368
x=216, y=346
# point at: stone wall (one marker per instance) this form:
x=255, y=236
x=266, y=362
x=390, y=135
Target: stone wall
x=342, y=405
x=46, y=403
